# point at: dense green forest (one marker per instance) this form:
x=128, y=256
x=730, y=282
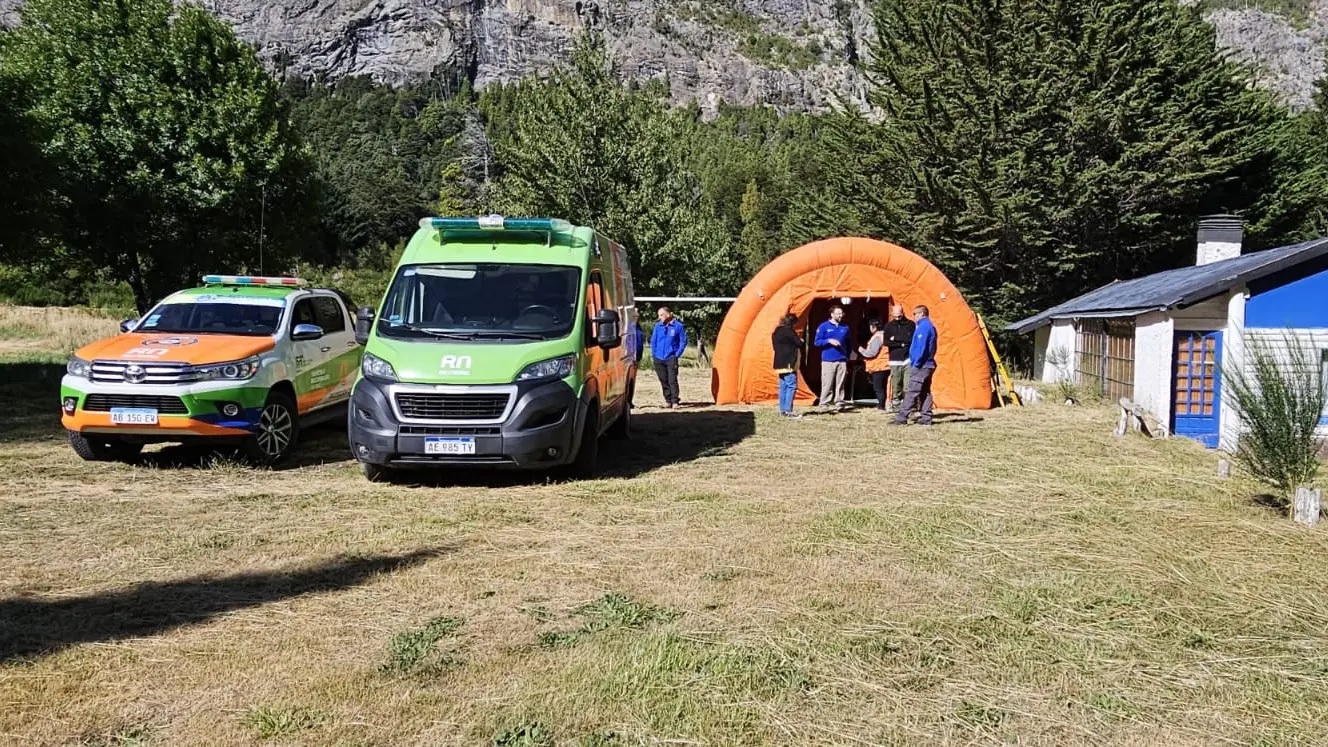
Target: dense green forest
x=1032, y=149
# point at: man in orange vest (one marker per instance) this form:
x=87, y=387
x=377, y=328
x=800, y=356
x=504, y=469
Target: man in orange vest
x=876, y=360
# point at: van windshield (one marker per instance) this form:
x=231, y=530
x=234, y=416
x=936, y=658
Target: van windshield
x=495, y=301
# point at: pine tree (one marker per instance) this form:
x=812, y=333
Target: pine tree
x=1034, y=149
x=582, y=146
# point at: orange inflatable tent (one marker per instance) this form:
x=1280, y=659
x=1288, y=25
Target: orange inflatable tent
x=872, y=275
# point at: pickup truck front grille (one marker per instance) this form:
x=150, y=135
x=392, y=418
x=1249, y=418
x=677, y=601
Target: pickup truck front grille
x=449, y=406
x=163, y=405
x=118, y=372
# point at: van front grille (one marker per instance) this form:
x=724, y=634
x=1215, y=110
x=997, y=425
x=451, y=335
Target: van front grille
x=452, y=406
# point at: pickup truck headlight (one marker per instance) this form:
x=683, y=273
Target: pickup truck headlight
x=377, y=368
x=78, y=367
x=554, y=368
x=232, y=371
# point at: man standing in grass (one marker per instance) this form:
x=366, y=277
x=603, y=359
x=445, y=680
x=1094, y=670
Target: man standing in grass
x=922, y=364
x=898, y=332
x=668, y=340
x=832, y=339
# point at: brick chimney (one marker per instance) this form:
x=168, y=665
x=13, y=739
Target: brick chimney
x=1219, y=238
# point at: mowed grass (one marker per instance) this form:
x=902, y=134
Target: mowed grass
x=1008, y=576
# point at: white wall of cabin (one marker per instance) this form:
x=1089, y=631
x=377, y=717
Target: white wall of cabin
x=1233, y=359
x=1312, y=340
x=1058, y=336
x=1154, y=373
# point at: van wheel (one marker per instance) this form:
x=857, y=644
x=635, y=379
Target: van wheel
x=621, y=430
x=103, y=449
x=378, y=473
x=587, y=454
x=277, y=431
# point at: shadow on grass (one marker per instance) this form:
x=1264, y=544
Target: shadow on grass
x=1273, y=503
x=320, y=444
x=667, y=437
x=29, y=401
x=32, y=627
x=659, y=438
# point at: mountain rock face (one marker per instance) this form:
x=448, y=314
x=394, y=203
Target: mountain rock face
x=792, y=54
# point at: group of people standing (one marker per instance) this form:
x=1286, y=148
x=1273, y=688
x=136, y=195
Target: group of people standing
x=899, y=357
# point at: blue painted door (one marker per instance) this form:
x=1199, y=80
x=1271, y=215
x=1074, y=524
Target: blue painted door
x=1196, y=402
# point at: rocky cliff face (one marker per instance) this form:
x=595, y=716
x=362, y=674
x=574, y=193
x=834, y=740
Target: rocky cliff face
x=787, y=53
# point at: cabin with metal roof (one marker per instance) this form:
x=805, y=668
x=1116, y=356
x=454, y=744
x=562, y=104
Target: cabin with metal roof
x=1161, y=340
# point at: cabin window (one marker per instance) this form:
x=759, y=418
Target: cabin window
x=1104, y=363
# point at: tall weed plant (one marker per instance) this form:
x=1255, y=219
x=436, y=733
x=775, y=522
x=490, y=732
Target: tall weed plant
x=1279, y=397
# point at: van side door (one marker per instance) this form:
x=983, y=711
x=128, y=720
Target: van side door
x=597, y=358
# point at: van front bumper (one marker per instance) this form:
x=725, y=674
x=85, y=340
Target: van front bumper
x=537, y=432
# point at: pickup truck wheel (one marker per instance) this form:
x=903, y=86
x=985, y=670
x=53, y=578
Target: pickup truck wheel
x=276, y=433
x=94, y=449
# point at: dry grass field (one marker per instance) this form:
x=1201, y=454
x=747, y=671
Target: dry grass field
x=1009, y=576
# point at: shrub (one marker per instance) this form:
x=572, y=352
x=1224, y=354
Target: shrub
x=1279, y=397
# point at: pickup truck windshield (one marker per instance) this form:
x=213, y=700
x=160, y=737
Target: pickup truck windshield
x=214, y=318
x=488, y=301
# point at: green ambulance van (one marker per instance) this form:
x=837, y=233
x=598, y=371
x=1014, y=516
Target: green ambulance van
x=500, y=342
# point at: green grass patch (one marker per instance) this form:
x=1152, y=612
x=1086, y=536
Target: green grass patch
x=608, y=613
x=268, y=722
x=416, y=651
x=534, y=734
x=684, y=687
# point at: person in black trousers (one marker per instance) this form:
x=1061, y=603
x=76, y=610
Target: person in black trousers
x=668, y=341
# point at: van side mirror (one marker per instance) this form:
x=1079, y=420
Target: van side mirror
x=306, y=332
x=607, y=333
x=128, y=325
x=364, y=319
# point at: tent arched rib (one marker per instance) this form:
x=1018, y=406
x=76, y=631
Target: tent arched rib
x=855, y=268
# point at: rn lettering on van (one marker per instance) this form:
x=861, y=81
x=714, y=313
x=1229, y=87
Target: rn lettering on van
x=457, y=365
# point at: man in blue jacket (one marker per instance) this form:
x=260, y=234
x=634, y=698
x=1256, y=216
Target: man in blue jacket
x=921, y=366
x=668, y=340
x=832, y=339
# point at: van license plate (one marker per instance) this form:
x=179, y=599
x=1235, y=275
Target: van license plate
x=133, y=416
x=449, y=446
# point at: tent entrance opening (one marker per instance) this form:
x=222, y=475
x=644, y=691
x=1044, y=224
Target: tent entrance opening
x=857, y=313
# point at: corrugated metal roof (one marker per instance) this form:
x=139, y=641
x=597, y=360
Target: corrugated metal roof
x=1179, y=287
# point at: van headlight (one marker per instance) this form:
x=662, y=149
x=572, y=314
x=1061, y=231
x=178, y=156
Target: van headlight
x=232, y=371
x=377, y=368
x=76, y=366
x=554, y=368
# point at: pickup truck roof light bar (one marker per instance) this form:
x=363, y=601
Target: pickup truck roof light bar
x=252, y=280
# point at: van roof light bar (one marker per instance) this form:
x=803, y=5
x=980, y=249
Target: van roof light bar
x=497, y=223
x=252, y=280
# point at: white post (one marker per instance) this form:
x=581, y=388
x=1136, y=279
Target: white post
x=1308, y=506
